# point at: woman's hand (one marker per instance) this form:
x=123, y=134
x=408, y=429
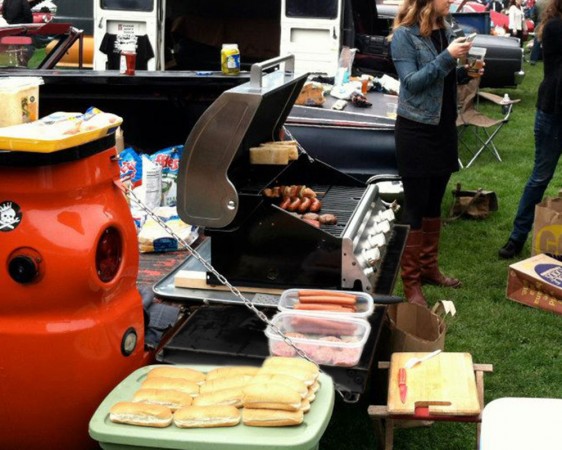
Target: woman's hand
x=459, y=47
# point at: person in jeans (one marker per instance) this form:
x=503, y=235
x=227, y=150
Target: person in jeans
x=536, y=50
x=548, y=129
x=425, y=55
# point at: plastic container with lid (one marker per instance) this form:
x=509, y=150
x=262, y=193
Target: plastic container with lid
x=19, y=97
x=230, y=59
x=364, y=304
x=333, y=341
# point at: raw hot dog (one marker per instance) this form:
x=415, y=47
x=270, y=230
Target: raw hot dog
x=326, y=298
x=315, y=292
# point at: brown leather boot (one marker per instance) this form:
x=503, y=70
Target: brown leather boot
x=429, y=255
x=410, y=265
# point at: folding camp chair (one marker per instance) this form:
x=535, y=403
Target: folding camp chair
x=484, y=128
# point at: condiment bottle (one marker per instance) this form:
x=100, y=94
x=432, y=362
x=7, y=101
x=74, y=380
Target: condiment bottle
x=230, y=59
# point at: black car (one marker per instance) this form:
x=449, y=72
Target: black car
x=504, y=55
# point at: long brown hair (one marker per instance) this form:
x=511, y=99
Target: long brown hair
x=419, y=12
x=553, y=9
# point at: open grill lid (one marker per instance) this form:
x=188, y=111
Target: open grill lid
x=218, y=146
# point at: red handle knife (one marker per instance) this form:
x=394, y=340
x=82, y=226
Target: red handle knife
x=402, y=384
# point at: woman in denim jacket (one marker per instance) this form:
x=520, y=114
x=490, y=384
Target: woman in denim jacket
x=425, y=54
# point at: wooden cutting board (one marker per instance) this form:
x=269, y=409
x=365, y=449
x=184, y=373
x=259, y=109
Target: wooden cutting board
x=446, y=382
x=193, y=279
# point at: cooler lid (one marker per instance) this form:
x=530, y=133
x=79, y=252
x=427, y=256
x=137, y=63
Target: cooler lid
x=240, y=118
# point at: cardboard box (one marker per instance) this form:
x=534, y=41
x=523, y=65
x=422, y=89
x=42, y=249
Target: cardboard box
x=536, y=282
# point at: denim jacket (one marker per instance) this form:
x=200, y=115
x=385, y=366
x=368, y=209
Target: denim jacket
x=422, y=73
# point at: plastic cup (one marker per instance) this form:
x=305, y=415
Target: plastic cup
x=391, y=110
x=475, y=61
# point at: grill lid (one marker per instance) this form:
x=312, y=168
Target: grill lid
x=240, y=118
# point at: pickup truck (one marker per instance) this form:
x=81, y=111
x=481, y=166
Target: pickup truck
x=161, y=106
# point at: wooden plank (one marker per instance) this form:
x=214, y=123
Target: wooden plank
x=193, y=279
x=446, y=383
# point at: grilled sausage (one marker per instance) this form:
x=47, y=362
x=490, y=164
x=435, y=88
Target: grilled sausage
x=305, y=204
x=285, y=203
x=315, y=205
x=294, y=204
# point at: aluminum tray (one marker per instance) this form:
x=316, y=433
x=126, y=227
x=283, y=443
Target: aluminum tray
x=166, y=288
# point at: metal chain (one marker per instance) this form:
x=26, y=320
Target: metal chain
x=248, y=303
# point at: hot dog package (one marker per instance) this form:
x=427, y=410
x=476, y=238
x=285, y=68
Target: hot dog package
x=328, y=340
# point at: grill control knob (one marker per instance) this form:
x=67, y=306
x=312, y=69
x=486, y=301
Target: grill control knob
x=376, y=240
x=384, y=226
x=23, y=269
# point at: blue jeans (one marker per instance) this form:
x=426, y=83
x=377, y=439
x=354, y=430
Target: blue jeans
x=548, y=146
x=536, y=51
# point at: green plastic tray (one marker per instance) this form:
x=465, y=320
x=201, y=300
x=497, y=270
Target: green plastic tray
x=112, y=436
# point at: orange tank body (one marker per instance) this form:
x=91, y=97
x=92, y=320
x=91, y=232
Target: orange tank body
x=61, y=334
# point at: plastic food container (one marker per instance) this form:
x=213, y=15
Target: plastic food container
x=19, y=97
x=328, y=340
x=364, y=304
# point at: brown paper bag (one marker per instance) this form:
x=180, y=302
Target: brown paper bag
x=547, y=227
x=415, y=328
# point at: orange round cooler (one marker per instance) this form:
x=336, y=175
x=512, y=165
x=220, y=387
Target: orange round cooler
x=71, y=317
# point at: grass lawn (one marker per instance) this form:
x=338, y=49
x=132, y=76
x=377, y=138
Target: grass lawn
x=523, y=344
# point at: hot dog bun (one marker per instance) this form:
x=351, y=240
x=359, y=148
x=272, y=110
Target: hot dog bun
x=233, y=397
x=290, y=361
x=271, y=418
x=165, y=397
x=176, y=384
x=231, y=371
x=142, y=414
x=185, y=373
x=271, y=396
x=286, y=380
x=206, y=417
x=305, y=375
x=225, y=383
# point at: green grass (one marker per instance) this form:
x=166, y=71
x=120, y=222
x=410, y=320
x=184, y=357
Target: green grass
x=523, y=344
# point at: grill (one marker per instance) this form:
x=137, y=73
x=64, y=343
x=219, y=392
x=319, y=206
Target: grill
x=253, y=241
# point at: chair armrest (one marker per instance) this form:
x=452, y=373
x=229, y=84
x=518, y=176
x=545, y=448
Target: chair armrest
x=498, y=100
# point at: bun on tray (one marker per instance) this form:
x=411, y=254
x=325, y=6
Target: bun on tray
x=207, y=417
x=231, y=397
x=231, y=371
x=271, y=418
x=177, y=384
x=172, y=399
x=142, y=414
x=271, y=396
x=185, y=373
